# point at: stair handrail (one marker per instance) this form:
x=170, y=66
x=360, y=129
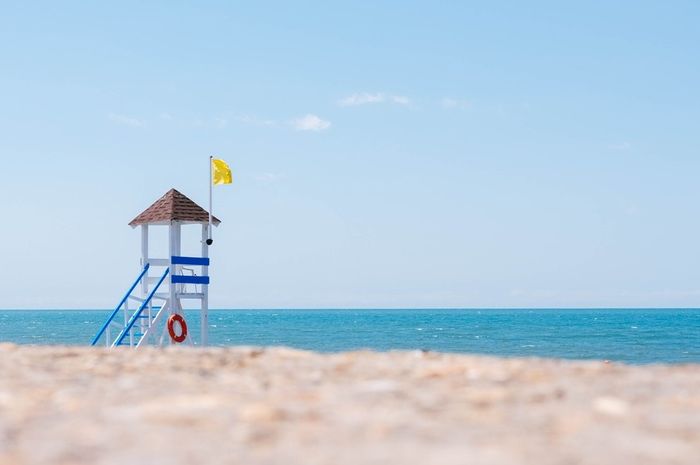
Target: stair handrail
x=118, y=307
x=138, y=312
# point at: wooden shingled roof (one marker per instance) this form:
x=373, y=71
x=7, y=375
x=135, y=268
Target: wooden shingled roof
x=173, y=206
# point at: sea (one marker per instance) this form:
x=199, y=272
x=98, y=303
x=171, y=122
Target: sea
x=635, y=336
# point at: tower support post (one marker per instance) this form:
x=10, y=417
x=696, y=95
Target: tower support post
x=204, y=313
x=174, y=249
x=144, y=258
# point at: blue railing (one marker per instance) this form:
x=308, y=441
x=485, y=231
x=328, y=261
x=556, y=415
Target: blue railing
x=118, y=307
x=138, y=312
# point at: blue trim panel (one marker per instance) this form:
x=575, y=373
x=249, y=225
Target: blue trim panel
x=203, y=261
x=189, y=279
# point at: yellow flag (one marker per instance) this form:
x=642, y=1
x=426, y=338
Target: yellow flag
x=221, y=171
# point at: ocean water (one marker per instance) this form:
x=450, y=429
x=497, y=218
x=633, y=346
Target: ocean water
x=625, y=335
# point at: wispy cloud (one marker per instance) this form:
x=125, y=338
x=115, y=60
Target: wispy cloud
x=361, y=99
x=268, y=177
x=255, y=121
x=126, y=120
x=449, y=102
x=310, y=123
x=400, y=99
x=366, y=98
x=210, y=123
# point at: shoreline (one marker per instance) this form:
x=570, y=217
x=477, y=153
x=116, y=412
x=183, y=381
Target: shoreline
x=277, y=405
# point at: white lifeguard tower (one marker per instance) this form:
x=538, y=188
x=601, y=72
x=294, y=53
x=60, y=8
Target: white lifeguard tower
x=151, y=317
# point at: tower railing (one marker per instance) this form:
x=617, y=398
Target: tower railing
x=137, y=314
x=119, y=306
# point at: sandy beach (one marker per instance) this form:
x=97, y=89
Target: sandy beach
x=282, y=406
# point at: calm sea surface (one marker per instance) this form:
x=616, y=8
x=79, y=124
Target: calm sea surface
x=630, y=335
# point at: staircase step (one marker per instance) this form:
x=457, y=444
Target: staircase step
x=134, y=334
x=145, y=311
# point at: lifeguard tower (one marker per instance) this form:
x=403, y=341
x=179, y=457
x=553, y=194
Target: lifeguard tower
x=153, y=316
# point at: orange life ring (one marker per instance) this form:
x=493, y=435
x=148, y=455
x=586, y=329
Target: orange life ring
x=171, y=327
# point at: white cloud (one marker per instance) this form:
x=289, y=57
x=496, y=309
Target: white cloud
x=126, y=120
x=365, y=98
x=166, y=116
x=449, y=102
x=310, y=123
x=255, y=121
x=268, y=177
x=216, y=123
x=400, y=100
x=362, y=98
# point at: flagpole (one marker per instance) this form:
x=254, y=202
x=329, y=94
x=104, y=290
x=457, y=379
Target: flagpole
x=211, y=182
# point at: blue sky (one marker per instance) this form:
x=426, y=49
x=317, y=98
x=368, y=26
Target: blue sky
x=385, y=154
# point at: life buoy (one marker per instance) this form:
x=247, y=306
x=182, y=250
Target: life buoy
x=171, y=327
